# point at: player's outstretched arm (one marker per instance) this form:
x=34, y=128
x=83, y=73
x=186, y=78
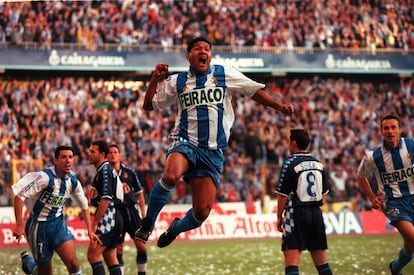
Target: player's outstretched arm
x=265, y=99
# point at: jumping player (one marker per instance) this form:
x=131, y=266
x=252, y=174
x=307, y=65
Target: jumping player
x=203, y=96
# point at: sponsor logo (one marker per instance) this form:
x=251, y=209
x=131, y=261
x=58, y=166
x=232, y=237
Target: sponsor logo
x=201, y=96
x=246, y=62
x=397, y=175
x=50, y=199
x=76, y=59
x=354, y=63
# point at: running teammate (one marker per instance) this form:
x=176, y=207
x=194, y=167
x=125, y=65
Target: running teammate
x=44, y=193
x=203, y=96
x=392, y=163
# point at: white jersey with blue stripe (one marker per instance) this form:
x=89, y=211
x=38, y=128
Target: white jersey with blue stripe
x=393, y=168
x=45, y=193
x=205, y=113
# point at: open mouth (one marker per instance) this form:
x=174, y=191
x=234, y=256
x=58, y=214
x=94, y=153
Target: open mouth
x=202, y=60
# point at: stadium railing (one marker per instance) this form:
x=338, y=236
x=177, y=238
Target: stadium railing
x=217, y=48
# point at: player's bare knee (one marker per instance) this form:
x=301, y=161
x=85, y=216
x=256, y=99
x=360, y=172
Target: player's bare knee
x=73, y=266
x=170, y=179
x=201, y=214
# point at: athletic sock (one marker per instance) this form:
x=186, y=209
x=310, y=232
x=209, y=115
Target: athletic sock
x=121, y=261
x=98, y=268
x=115, y=270
x=187, y=223
x=120, y=258
x=29, y=265
x=324, y=269
x=292, y=270
x=158, y=198
x=402, y=260
x=141, y=260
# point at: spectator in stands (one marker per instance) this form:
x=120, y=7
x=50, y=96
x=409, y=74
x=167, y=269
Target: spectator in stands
x=368, y=25
x=357, y=127
x=275, y=23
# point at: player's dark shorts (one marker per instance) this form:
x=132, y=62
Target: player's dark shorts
x=132, y=221
x=45, y=237
x=401, y=209
x=309, y=231
x=110, y=237
x=204, y=162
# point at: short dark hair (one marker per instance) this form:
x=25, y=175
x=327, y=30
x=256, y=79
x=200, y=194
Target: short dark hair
x=114, y=145
x=103, y=146
x=301, y=137
x=62, y=148
x=388, y=117
x=195, y=40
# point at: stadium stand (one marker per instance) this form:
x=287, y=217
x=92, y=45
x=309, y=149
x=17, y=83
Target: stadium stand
x=308, y=24
x=39, y=112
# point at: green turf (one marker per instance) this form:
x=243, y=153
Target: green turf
x=347, y=255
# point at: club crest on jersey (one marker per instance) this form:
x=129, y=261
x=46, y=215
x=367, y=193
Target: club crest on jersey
x=93, y=193
x=214, y=80
x=126, y=188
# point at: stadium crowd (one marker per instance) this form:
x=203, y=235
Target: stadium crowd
x=342, y=112
x=280, y=23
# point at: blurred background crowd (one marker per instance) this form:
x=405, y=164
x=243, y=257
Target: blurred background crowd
x=342, y=112
x=281, y=23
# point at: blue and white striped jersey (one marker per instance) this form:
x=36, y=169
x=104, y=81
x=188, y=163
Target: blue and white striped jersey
x=205, y=112
x=45, y=193
x=393, y=168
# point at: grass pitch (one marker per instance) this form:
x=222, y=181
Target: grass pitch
x=348, y=255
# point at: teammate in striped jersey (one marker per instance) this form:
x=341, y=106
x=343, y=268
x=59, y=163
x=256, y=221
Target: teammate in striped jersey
x=392, y=163
x=203, y=96
x=44, y=194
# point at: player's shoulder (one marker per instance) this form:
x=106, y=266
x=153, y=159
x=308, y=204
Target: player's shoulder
x=128, y=169
x=225, y=68
x=408, y=141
